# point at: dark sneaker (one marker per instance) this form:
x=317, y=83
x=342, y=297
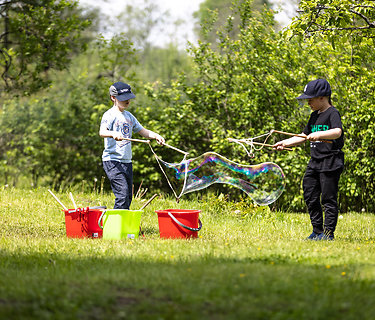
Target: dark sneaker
x=313, y=236
x=325, y=237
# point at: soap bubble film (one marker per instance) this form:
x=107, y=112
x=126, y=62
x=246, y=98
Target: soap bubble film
x=264, y=182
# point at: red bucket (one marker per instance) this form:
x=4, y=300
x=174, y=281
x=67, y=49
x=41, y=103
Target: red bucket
x=83, y=222
x=179, y=223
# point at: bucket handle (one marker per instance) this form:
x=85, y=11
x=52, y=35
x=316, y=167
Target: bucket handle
x=100, y=219
x=186, y=227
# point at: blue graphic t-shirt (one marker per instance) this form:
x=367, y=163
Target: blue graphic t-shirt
x=123, y=122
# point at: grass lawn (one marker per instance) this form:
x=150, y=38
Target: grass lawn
x=248, y=263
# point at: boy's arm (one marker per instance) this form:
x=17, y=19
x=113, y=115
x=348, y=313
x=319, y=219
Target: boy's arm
x=106, y=123
x=151, y=135
x=105, y=133
x=291, y=142
x=330, y=134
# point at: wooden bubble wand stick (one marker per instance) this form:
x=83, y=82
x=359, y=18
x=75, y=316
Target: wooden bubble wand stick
x=296, y=135
x=164, y=144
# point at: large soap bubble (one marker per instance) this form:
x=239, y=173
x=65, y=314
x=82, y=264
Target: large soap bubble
x=264, y=182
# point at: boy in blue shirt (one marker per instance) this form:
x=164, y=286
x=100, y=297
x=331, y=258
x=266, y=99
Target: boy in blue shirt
x=320, y=183
x=118, y=123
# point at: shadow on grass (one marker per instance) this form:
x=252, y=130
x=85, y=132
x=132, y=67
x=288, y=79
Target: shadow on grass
x=40, y=286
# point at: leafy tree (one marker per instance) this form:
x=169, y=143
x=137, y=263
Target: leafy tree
x=164, y=64
x=55, y=129
x=212, y=15
x=117, y=56
x=246, y=86
x=140, y=21
x=142, y=24
x=53, y=136
x=36, y=36
x=335, y=17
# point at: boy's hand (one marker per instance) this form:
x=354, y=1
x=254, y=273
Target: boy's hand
x=159, y=139
x=279, y=145
x=315, y=136
x=117, y=136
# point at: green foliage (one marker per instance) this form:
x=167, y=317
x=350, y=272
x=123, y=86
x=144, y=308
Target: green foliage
x=55, y=137
x=139, y=21
x=344, y=31
x=52, y=137
x=37, y=36
x=244, y=87
x=346, y=18
x=238, y=87
x=247, y=86
x=163, y=64
x=117, y=57
x=213, y=14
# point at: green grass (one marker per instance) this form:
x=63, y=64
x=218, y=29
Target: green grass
x=248, y=263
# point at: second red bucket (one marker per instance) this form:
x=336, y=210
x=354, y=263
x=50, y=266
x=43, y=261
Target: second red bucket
x=179, y=223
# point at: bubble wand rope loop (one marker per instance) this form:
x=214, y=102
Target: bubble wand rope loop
x=165, y=175
x=158, y=161
x=251, y=143
x=249, y=153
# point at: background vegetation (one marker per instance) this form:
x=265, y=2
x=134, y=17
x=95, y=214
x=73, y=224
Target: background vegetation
x=240, y=80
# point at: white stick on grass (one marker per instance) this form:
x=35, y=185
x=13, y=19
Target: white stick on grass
x=65, y=208
x=74, y=203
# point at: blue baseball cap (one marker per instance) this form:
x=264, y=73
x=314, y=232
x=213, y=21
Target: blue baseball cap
x=316, y=88
x=122, y=91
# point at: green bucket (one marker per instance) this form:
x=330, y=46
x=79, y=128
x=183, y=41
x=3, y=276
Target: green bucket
x=120, y=223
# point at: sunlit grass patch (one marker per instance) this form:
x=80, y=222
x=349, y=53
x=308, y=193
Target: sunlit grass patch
x=248, y=262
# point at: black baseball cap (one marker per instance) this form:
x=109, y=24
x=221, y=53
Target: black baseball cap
x=122, y=91
x=316, y=88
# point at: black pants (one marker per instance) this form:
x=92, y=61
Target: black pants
x=120, y=176
x=320, y=189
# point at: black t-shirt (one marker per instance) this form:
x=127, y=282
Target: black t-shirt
x=325, y=156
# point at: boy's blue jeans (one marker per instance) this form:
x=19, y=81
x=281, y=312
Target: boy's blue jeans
x=120, y=176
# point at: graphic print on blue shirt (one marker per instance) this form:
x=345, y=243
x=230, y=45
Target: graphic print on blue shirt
x=125, y=131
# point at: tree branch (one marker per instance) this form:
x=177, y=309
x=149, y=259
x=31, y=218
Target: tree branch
x=321, y=28
x=313, y=18
x=363, y=17
x=7, y=64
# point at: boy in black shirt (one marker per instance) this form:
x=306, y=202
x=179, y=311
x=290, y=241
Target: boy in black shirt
x=320, y=183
